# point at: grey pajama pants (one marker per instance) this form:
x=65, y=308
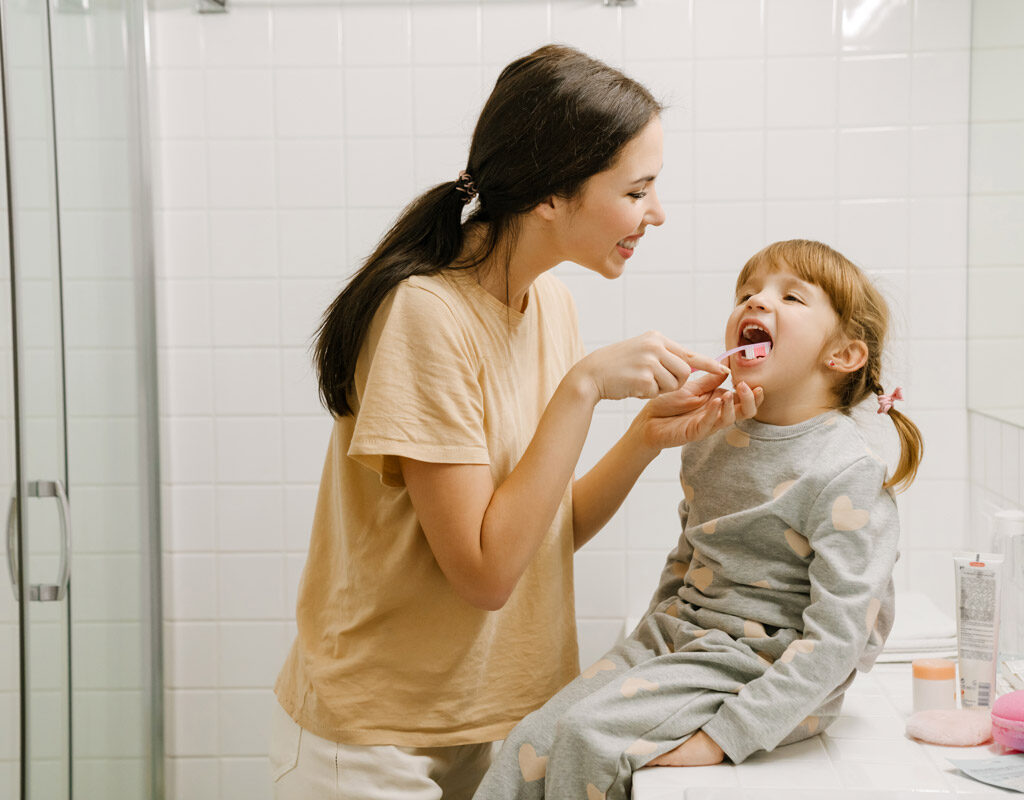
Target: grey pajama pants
x=644, y=698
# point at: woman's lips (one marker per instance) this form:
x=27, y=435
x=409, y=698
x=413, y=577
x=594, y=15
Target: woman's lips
x=626, y=246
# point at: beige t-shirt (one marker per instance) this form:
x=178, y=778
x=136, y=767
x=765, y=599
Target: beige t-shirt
x=387, y=652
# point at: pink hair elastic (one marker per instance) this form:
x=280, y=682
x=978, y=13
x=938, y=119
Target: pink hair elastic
x=885, y=401
x=758, y=350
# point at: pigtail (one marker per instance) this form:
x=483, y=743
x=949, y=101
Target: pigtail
x=911, y=451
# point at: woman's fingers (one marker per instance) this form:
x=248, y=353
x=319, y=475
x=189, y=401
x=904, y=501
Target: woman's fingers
x=667, y=375
x=728, y=416
x=650, y=365
x=697, y=361
x=704, y=382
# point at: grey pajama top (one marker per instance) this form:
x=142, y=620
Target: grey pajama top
x=786, y=527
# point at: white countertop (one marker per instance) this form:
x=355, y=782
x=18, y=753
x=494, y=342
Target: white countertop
x=865, y=754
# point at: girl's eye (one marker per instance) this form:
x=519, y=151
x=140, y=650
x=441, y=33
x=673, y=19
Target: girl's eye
x=793, y=297
x=638, y=195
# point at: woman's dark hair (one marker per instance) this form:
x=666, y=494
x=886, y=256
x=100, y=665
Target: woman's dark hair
x=554, y=118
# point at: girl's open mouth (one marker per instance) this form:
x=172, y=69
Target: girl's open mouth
x=756, y=340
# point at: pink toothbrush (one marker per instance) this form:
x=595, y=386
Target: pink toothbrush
x=757, y=350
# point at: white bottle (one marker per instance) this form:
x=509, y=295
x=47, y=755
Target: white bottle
x=934, y=684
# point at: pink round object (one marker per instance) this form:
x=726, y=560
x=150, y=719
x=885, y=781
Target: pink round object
x=1008, y=720
x=956, y=727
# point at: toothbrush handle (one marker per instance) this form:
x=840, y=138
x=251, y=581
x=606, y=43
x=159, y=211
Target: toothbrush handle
x=728, y=353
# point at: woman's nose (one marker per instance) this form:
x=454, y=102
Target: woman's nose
x=655, y=213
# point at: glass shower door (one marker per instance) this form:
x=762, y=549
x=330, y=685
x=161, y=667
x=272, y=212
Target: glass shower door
x=41, y=509
x=39, y=545
x=10, y=609
x=80, y=675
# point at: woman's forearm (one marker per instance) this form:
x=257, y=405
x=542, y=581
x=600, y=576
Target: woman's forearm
x=484, y=536
x=525, y=503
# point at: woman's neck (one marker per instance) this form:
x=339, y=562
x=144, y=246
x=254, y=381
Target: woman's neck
x=509, y=275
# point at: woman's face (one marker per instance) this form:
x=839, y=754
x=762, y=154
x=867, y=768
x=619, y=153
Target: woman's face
x=605, y=223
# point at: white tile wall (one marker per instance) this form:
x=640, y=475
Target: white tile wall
x=278, y=166
x=996, y=202
x=996, y=474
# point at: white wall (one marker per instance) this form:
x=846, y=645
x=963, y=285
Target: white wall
x=996, y=287
x=996, y=203
x=287, y=135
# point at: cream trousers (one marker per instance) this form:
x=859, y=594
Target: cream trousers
x=306, y=767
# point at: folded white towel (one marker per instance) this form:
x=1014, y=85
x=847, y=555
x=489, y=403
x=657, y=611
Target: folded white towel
x=905, y=657
x=921, y=630
x=922, y=645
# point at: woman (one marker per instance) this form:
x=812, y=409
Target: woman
x=436, y=606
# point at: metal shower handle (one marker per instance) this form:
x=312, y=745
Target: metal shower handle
x=12, y=544
x=54, y=591
x=42, y=592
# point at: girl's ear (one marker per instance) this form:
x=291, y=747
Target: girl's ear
x=849, y=357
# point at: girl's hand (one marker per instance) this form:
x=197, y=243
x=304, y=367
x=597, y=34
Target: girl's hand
x=644, y=366
x=700, y=750
x=695, y=411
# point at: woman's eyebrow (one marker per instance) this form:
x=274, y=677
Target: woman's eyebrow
x=648, y=178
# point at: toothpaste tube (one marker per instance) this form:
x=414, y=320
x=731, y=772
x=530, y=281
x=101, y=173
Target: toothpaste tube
x=978, y=578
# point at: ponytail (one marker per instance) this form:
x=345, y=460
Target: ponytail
x=426, y=238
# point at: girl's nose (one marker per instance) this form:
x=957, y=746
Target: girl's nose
x=757, y=301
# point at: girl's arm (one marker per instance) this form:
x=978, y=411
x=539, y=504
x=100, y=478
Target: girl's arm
x=484, y=536
x=853, y=531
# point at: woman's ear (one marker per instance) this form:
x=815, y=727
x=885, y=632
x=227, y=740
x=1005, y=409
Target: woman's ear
x=548, y=208
x=849, y=357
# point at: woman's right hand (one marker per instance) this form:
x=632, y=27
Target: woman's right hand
x=644, y=366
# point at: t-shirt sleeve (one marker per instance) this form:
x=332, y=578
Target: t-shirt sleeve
x=853, y=532
x=421, y=397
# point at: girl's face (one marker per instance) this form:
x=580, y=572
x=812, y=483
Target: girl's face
x=604, y=224
x=798, y=319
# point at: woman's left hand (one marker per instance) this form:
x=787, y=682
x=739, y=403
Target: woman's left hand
x=699, y=750
x=695, y=410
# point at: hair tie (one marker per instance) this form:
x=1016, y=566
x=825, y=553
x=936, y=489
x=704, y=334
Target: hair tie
x=464, y=183
x=885, y=401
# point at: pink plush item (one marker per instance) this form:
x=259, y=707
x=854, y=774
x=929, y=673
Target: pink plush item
x=958, y=727
x=1008, y=720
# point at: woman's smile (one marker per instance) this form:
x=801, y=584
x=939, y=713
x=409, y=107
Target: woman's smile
x=627, y=245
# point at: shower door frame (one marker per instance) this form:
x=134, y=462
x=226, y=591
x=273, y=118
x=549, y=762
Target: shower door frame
x=134, y=20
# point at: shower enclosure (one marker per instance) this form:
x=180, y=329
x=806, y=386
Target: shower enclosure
x=80, y=677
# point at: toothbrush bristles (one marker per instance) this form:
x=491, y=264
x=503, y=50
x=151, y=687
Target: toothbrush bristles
x=758, y=350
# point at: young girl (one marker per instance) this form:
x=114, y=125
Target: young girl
x=436, y=605
x=781, y=584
